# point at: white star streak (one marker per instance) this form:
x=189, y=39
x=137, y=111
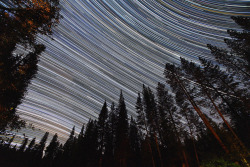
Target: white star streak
x=104, y=46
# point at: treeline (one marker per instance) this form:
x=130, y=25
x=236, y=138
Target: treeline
x=166, y=132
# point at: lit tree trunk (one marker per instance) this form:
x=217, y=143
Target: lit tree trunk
x=202, y=116
x=230, y=128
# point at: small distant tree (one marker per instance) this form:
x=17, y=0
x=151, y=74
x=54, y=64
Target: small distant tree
x=39, y=148
x=52, y=149
x=31, y=145
x=23, y=146
x=68, y=146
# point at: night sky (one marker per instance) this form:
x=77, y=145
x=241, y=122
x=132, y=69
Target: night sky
x=103, y=46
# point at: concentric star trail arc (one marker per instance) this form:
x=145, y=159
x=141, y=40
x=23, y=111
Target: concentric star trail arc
x=104, y=46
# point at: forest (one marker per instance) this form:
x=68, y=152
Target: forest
x=198, y=118
x=166, y=132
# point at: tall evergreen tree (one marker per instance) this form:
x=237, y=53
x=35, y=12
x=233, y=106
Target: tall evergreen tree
x=149, y=104
x=174, y=78
x=153, y=117
x=21, y=21
x=199, y=76
x=122, y=121
x=101, y=123
x=122, y=146
x=233, y=98
x=170, y=124
x=91, y=144
x=79, y=148
x=68, y=146
x=110, y=136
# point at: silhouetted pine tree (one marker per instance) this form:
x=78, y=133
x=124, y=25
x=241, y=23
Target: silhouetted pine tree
x=232, y=97
x=195, y=127
x=31, y=145
x=68, y=147
x=150, y=109
x=51, y=151
x=171, y=126
x=174, y=78
x=101, y=124
x=91, y=144
x=110, y=137
x=196, y=74
x=23, y=146
x=79, y=148
x=122, y=143
x=37, y=152
x=152, y=115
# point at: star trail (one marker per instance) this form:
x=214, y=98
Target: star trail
x=103, y=46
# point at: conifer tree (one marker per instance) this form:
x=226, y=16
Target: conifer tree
x=110, y=136
x=152, y=117
x=237, y=59
x=170, y=123
x=91, y=144
x=122, y=121
x=81, y=135
x=38, y=149
x=101, y=123
x=31, y=145
x=141, y=116
x=149, y=104
x=21, y=21
x=68, y=147
x=52, y=149
x=122, y=145
x=79, y=147
x=195, y=127
x=233, y=98
x=23, y=146
x=198, y=75
x=174, y=78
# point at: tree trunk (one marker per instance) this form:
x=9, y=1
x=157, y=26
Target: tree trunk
x=202, y=116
